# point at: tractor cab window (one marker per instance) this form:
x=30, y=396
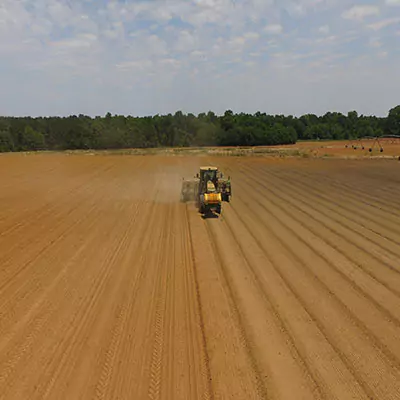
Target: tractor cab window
x=210, y=176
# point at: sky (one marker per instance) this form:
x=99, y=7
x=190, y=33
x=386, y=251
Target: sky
x=147, y=57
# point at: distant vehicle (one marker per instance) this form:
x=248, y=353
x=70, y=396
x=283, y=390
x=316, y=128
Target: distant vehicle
x=209, y=189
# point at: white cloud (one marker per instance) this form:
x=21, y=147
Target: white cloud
x=110, y=33
x=393, y=2
x=135, y=65
x=60, y=13
x=80, y=41
x=252, y=35
x=360, y=12
x=376, y=26
x=124, y=56
x=171, y=63
x=186, y=41
x=324, y=29
x=234, y=45
x=375, y=42
x=155, y=45
x=327, y=39
x=274, y=29
x=197, y=54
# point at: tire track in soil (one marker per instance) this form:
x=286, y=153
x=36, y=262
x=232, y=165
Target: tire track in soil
x=70, y=335
x=136, y=350
x=231, y=369
x=365, y=178
x=19, y=296
x=356, y=192
x=111, y=360
x=355, y=244
x=43, y=323
x=14, y=291
x=192, y=271
x=11, y=200
x=356, y=226
x=168, y=348
x=72, y=368
x=34, y=324
x=25, y=259
x=323, y=363
x=107, y=382
x=152, y=356
x=385, y=330
x=89, y=297
x=370, y=212
x=164, y=383
x=384, y=277
x=111, y=317
x=158, y=347
x=336, y=240
x=307, y=291
x=379, y=227
x=105, y=387
x=280, y=367
x=32, y=216
x=352, y=206
x=245, y=343
x=26, y=301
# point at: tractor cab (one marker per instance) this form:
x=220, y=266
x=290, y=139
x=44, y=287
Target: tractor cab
x=209, y=197
x=208, y=179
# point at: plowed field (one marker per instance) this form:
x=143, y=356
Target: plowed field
x=111, y=288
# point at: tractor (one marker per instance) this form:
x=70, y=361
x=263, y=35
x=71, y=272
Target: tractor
x=208, y=190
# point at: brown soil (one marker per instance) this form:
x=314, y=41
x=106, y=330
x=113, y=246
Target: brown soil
x=367, y=148
x=111, y=288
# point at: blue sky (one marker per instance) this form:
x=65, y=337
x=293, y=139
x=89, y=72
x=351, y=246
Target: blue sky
x=143, y=57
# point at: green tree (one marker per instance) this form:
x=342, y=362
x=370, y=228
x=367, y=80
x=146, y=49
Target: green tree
x=179, y=129
x=32, y=140
x=393, y=121
x=6, y=142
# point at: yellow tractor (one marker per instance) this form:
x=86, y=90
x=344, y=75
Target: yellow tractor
x=208, y=190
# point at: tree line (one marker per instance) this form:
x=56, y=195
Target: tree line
x=185, y=130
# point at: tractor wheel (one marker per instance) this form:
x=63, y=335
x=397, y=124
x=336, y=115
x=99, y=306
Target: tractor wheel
x=202, y=208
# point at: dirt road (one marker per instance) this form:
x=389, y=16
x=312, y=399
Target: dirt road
x=111, y=288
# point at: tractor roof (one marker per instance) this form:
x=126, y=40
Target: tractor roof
x=208, y=168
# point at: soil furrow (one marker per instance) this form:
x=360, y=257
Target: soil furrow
x=111, y=288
